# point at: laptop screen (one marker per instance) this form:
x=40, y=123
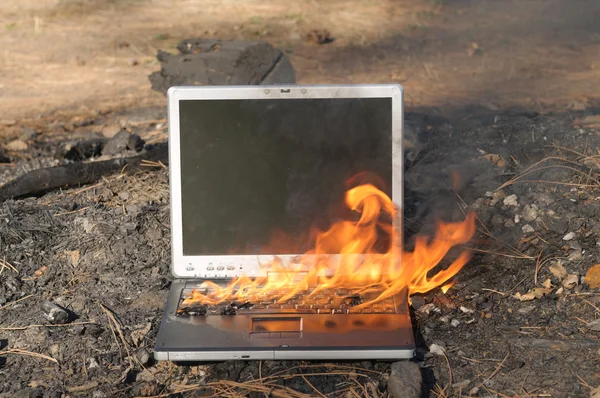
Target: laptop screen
x=258, y=175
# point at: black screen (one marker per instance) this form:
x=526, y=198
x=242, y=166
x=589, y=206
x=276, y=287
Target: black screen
x=258, y=175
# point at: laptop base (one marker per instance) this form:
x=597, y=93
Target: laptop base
x=282, y=336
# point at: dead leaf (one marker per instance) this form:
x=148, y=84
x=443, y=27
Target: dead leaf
x=494, y=159
x=592, y=277
x=558, y=270
x=547, y=284
x=595, y=393
x=571, y=281
x=538, y=292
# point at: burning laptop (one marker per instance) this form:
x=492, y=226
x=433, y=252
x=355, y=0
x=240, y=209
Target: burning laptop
x=285, y=217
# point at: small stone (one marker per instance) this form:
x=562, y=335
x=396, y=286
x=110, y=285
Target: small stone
x=527, y=229
x=455, y=322
x=575, y=256
x=526, y=310
x=17, y=145
x=436, y=349
x=143, y=356
x=530, y=213
x=517, y=218
x=405, y=380
x=497, y=197
x=98, y=394
x=509, y=224
x=511, y=200
x=466, y=310
x=55, y=314
x=111, y=130
x=569, y=236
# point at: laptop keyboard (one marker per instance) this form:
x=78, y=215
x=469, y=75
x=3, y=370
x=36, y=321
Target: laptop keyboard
x=327, y=302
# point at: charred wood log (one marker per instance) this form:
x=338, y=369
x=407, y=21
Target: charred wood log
x=40, y=181
x=222, y=62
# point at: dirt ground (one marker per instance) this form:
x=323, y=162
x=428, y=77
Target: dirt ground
x=71, y=54
x=498, y=91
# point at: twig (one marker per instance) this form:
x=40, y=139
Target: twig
x=313, y=387
x=494, y=291
x=596, y=308
x=494, y=372
x=538, y=265
x=82, y=190
x=6, y=264
x=16, y=301
x=48, y=326
x=17, y=351
x=111, y=317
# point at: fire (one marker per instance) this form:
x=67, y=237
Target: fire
x=361, y=266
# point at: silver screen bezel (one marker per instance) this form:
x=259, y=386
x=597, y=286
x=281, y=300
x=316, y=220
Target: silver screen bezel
x=220, y=266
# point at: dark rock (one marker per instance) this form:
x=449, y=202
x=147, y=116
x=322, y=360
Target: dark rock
x=54, y=314
x=122, y=142
x=405, y=380
x=84, y=150
x=222, y=62
x=136, y=143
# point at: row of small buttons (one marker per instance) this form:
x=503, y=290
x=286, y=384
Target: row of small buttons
x=220, y=268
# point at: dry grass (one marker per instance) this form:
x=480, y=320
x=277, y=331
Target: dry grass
x=16, y=351
x=356, y=382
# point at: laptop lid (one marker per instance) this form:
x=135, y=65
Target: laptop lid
x=255, y=169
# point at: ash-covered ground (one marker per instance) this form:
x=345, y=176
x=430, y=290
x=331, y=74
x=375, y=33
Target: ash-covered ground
x=520, y=321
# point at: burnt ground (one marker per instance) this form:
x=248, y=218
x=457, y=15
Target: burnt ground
x=102, y=252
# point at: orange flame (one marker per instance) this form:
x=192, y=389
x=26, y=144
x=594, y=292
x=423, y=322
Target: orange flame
x=359, y=266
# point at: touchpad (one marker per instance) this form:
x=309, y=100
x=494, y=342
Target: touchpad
x=276, y=324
